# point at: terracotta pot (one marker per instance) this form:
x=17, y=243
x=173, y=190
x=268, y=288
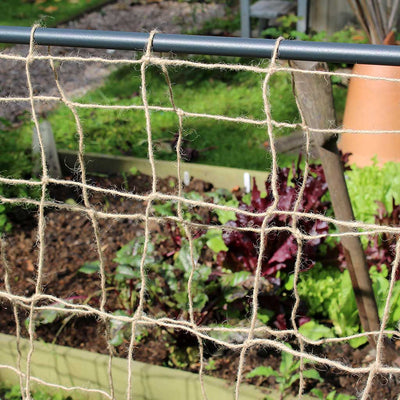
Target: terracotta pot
x=372, y=105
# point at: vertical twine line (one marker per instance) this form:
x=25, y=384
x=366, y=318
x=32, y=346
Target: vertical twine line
x=146, y=59
x=299, y=240
x=266, y=215
x=92, y=216
x=7, y=273
x=386, y=313
x=270, y=125
x=188, y=232
x=41, y=217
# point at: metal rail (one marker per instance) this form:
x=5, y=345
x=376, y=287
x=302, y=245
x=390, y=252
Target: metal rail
x=213, y=45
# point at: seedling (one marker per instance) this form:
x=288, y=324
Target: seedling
x=331, y=396
x=287, y=374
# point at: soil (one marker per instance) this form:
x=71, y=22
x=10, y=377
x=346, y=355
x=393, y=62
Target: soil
x=70, y=243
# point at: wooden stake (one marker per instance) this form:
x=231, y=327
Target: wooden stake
x=50, y=149
x=314, y=94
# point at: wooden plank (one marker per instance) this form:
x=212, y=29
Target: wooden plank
x=267, y=9
x=329, y=16
x=294, y=144
x=220, y=177
x=72, y=367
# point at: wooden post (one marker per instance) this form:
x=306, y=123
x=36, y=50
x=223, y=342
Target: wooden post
x=50, y=150
x=245, y=26
x=302, y=14
x=329, y=16
x=314, y=93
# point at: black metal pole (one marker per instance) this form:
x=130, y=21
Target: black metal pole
x=213, y=45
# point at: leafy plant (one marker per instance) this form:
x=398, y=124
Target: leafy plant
x=381, y=250
x=315, y=331
x=375, y=195
x=5, y=225
x=288, y=372
x=126, y=279
x=343, y=311
x=14, y=393
x=287, y=29
x=331, y=396
x=329, y=296
x=211, y=365
x=318, y=285
x=15, y=162
x=215, y=291
x=126, y=283
x=373, y=183
x=224, y=197
x=183, y=351
x=380, y=284
x=281, y=247
x=46, y=317
x=169, y=208
x=327, y=292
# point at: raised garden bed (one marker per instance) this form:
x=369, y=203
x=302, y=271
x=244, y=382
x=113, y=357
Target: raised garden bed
x=219, y=177
x=69, y=248
x=71, y=367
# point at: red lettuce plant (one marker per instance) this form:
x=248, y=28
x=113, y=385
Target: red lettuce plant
x=381, y=250
x=280, y=246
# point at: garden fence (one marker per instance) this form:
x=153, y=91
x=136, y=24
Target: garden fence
x=249, y=334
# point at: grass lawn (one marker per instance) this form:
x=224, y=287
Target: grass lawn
x=215, y=92
x=47, y=12
x=119, y=132
x=233, y=94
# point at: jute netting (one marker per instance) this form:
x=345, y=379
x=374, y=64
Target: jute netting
x=250, y=334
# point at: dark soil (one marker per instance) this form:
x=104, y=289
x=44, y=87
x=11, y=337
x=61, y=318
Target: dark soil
x=70, y=243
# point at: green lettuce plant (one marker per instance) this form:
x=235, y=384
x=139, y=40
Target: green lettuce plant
x=370, y=184
x=329, y=296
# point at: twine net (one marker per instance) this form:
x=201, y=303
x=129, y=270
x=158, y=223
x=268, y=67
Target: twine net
x=251, y=334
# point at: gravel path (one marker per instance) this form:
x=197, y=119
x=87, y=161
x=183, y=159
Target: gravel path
x=123, y=15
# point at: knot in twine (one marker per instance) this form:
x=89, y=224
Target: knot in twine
x=146, y=59
x=30, y=57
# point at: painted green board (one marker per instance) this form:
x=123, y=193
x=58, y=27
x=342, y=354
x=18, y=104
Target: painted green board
x=72, y=367
x=220, y=177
